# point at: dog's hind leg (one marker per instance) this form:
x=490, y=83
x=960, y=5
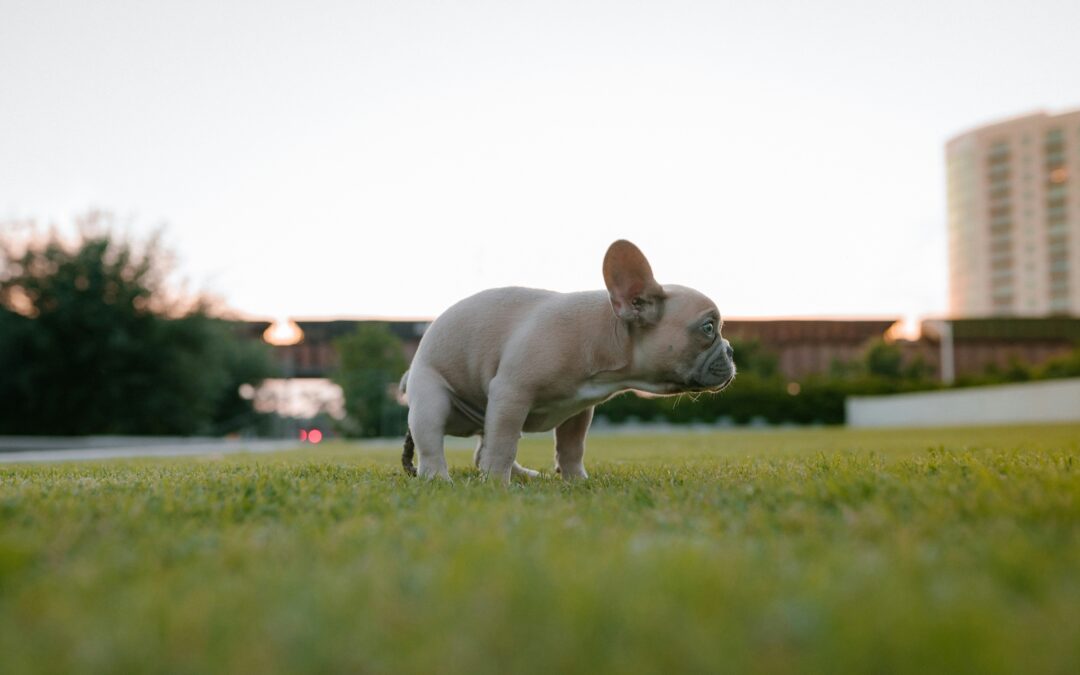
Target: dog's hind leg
x=515, y=470
x=570, y=445
x=429, y=407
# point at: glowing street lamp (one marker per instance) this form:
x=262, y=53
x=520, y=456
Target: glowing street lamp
x=285, y=333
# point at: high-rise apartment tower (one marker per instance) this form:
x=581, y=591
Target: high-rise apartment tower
x=1013, y=193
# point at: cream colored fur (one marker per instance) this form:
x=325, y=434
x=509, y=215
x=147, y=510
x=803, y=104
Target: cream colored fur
x=509, y=360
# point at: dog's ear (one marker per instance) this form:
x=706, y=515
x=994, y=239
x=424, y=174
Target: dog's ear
x=635, y=295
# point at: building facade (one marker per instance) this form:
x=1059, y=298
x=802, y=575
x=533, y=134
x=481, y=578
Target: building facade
x=314, y=355
x=959, y=349
x=806, y=347
x=1013, y=200
x=803, y=347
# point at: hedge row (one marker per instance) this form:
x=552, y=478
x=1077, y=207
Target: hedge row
x=751, y=400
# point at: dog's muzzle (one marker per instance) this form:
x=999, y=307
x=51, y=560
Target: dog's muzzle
x=717, y=369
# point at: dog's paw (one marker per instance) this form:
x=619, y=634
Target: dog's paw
x=572, y=473
x=519, y=470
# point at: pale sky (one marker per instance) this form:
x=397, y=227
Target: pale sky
x=324, y=159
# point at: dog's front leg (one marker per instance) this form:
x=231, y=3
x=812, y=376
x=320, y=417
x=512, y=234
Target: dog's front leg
x=507, y=409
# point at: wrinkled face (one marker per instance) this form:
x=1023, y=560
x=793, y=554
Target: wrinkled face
x=675, y=330
x=683, y=351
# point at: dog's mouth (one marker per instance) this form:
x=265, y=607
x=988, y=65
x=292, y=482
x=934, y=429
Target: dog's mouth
x=701, y=388
x=725, y=385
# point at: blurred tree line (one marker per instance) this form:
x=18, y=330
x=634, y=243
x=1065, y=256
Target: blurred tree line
x=371, y=361
x=761, y=394
x=1066, y=365
x=94, y=341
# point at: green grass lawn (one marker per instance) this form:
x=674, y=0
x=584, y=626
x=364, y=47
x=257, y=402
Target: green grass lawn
x=746, y=552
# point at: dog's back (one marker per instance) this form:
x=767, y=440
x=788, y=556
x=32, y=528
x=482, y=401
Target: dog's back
x=469, y=337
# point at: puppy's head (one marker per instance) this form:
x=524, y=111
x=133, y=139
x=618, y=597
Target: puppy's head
x=675, y=330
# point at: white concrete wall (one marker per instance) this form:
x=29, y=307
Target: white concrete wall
x=1029, y=402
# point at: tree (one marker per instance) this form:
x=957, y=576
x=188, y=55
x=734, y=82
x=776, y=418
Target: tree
x=1066, y=365
x=371, y=361
x=94, y=341
x=752, y=357
x=884, y=360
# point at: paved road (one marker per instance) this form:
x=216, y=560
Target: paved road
x=29, y=449
x=59, y=449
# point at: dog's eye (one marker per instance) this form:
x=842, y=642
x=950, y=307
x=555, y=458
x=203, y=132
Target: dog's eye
x=709, y=329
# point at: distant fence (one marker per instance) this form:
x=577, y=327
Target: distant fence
x=1028, y=402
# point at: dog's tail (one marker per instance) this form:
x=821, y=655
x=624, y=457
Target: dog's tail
x=407, y=454
x=410, y=446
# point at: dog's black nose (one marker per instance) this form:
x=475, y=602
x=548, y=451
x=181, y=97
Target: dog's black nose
x=729, y=351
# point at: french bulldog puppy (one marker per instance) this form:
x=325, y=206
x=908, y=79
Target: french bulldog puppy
x=510, y=360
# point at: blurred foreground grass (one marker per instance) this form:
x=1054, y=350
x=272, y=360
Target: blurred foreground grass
x=771, y=552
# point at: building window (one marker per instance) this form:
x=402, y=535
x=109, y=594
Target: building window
x=1056, y=216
